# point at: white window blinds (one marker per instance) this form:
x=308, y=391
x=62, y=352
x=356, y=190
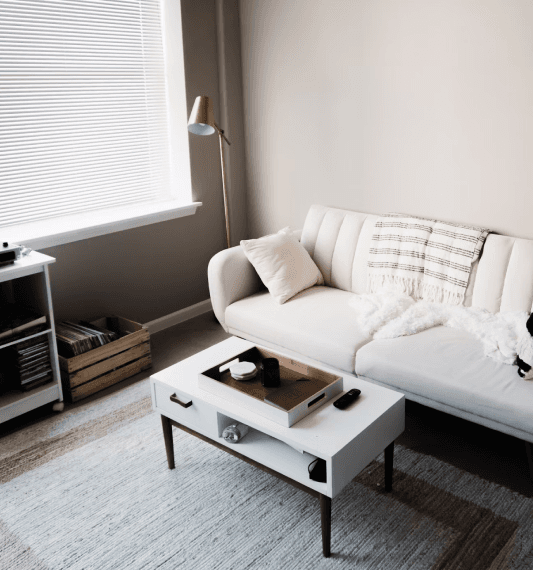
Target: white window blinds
x=83, y=113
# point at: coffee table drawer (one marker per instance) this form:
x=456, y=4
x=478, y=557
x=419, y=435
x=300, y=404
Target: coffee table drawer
x=184, y=409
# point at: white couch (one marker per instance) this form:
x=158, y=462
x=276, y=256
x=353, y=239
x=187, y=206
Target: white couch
x=441, y=367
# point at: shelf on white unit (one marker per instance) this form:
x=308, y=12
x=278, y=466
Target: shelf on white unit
x=27, y=265
x=278, y=456
x=14, y=403
x=46, y=331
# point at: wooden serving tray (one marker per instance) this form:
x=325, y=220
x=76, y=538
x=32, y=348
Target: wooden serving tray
x=252, y=394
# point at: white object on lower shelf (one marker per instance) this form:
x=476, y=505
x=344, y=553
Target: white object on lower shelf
x=235, y=432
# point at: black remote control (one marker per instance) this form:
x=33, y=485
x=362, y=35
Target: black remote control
x=344, y=401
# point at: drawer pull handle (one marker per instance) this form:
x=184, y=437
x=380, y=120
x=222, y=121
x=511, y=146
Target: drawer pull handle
x=176, y=400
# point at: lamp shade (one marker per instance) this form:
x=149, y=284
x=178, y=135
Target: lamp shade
x=202, y=119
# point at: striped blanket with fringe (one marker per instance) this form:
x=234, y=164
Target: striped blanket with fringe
x=426, y=259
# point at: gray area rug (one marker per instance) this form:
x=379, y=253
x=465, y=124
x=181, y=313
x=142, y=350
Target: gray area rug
x=90, y=489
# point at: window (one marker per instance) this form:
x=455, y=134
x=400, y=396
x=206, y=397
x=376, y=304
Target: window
x=92, y=114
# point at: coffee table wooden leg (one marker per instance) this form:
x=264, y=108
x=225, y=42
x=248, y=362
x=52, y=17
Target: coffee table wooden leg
x=169, y=442
x=325, y=515
x=389, y=459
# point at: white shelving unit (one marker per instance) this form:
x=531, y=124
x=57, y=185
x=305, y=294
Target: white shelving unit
x=27, y=281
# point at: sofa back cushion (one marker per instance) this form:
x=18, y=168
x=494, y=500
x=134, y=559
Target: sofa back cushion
x=504, y=280
x=338, y=241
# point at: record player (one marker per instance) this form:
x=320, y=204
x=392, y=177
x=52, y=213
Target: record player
x=9, y=253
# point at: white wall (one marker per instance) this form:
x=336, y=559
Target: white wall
x=417, y=106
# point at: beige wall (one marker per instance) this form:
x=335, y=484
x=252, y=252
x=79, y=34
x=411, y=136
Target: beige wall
x=417, y=106
x=148, y=272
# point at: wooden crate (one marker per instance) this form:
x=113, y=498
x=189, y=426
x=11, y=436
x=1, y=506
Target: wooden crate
x=106, y=365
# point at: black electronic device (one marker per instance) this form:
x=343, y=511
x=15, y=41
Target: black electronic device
x=347, y=399
x=317, y=470
x=9, y=253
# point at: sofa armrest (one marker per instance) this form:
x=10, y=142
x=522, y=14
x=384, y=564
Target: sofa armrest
x=231, y=278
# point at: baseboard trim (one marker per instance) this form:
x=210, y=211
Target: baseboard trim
x=179, y=316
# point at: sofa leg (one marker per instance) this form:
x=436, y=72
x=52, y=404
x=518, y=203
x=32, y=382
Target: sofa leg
x=529, y=453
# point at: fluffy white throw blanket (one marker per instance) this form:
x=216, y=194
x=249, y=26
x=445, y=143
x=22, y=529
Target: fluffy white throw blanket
x=427, y=259
x=390, y=314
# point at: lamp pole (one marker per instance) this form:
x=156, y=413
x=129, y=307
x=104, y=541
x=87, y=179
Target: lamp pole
x=222, y=137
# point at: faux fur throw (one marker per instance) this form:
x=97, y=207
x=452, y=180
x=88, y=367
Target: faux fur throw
x=524, y=359
x=426, y=259
x=389, y=314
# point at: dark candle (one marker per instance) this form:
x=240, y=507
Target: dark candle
x=270, y=377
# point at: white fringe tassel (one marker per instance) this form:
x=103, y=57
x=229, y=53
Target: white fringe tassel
x=416, y=289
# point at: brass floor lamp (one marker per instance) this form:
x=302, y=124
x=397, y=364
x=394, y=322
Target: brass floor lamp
x=202, y=122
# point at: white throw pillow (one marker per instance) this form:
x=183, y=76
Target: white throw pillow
x=283, y=264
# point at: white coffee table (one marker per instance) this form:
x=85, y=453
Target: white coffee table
x=348, y=440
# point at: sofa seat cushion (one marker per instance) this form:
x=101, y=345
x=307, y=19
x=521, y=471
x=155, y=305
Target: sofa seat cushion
x=448, y=365
x=318, y=323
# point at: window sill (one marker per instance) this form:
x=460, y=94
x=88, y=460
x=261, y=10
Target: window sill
x=56, y=231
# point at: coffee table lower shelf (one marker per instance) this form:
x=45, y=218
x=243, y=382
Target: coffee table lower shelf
x=325, y=501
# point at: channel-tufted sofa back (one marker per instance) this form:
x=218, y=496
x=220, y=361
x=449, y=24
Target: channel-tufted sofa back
x=339, y=241
x=504, y=280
